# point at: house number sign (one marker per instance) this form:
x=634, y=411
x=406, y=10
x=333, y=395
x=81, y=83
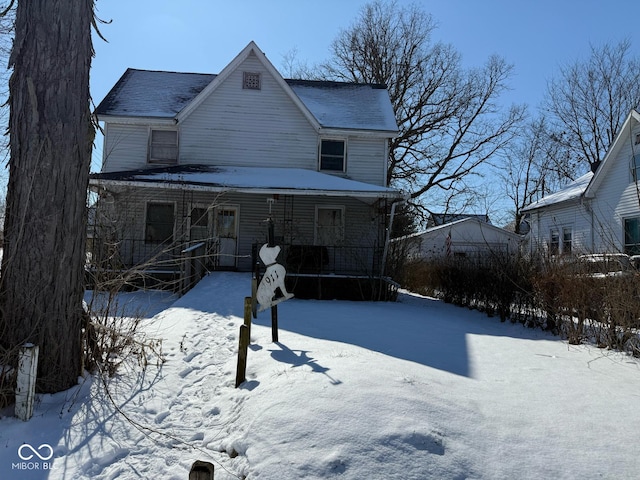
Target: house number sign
x=272, y=280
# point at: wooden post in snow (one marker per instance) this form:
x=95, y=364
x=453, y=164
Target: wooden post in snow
x=26, y=382
x=243, y=343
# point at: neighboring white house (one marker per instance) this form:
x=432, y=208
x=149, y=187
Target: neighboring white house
x=202, y=158
x=468, y=237
x=599, y=212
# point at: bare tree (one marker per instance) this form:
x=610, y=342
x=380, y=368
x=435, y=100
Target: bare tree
x=531, y=168
x=449, y=119
x=591, y=98
x=51, y=135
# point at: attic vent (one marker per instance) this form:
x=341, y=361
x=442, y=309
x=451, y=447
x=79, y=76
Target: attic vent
x=637, y=138
x=251, y=81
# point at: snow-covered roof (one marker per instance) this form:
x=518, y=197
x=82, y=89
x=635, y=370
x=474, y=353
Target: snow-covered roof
x=571, y=192
x=295, y=181
x=447, y=226
x=159, y=94
x=347, y=105
x=144, y=93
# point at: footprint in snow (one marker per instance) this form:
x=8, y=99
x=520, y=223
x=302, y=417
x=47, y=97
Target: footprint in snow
x=191, y=356
x=161, y=416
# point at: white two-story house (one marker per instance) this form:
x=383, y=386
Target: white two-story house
x=599, y=212
x=202, y=161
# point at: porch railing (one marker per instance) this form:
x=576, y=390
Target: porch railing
x=325, y=260
x=185, y=263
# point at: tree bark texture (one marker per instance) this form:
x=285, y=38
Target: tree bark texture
x=51, y=136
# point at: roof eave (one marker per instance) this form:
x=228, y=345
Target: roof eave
x=136, y=120
x=359, y=132
x=391, y=194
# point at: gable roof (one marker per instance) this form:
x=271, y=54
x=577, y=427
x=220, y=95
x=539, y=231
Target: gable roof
x=437, y=219
x=572, y=191
x=173, y=95
x=444, y=228
x=587, y=185
x=627, y=127
x=146, y=93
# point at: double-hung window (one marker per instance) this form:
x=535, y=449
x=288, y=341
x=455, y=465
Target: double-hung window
x=561, y=241
x=333, y=155
x=159, y=223
x=163, y=146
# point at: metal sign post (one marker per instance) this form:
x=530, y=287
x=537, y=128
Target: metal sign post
x=272, y=281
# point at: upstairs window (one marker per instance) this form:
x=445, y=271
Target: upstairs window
x=332, y=155
x=163, y=146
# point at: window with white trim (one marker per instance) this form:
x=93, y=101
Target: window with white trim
x=554, y=243
x=561, y=241
x=329, y=225
x=159, y=222
x=332, y=155
x=567, y=240
x=163, y=146
x=632, y=236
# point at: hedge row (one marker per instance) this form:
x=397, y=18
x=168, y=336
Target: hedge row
x=554, y=296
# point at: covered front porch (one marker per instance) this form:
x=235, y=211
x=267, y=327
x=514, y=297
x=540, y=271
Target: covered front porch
x=170, y=226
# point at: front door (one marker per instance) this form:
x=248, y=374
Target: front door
x=227, y=233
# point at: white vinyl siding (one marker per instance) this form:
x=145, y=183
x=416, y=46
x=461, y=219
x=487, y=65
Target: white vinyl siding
x=367, y=159
x=125, y=147
x=243, y=127
x=240, y=127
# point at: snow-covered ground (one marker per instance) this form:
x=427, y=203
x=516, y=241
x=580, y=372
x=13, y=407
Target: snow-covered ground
x=416, y=389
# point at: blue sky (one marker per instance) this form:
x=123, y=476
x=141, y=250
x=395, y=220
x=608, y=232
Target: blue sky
x=204, y=35
x=536, y=36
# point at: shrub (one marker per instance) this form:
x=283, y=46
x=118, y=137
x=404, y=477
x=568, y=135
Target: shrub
x=554, y=295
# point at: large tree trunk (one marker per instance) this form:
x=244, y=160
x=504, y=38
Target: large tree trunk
x=51, y=135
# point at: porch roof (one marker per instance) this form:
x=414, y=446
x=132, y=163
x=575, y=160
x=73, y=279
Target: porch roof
x=255, y=180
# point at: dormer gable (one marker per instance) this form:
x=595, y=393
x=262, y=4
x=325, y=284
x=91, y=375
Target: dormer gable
x=251, y=81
